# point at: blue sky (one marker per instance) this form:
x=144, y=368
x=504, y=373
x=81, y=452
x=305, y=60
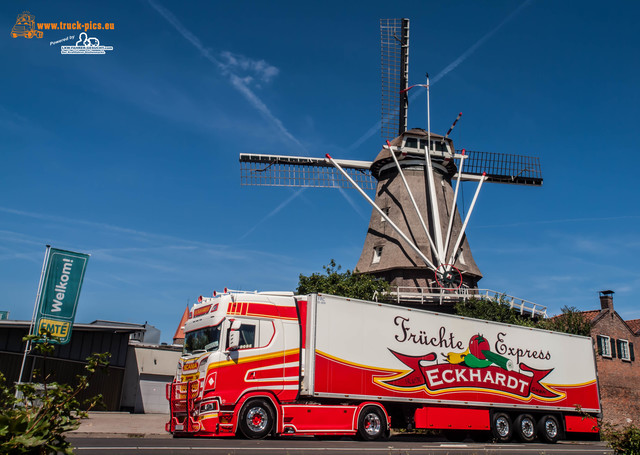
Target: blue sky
x=132, y=156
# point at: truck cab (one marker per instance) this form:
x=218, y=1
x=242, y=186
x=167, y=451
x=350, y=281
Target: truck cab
x=25, y=26
x=238, y=348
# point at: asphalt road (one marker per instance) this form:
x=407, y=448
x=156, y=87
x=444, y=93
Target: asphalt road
x=304, y=446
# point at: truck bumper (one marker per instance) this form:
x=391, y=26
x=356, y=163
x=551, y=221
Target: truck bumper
x=192, y=416
x=207, y=426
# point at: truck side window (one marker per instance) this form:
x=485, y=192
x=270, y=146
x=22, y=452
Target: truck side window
x=247, y=336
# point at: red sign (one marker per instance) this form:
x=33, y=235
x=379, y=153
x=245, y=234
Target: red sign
x=200, y=311
x=449, y=377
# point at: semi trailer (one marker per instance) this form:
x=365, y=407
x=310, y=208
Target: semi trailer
x=274, y=363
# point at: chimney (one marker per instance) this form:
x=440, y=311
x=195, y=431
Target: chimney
x=606, y=300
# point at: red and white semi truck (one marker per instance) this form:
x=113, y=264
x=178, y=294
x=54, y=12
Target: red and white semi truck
x=260, y=364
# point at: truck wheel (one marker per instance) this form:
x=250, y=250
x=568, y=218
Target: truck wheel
x=525, y=428
x=256, y=419
x=549, y=429
x=371, y=424
x=501, y=427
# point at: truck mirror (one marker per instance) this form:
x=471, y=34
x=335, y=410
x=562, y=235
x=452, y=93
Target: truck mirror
x=234, y=340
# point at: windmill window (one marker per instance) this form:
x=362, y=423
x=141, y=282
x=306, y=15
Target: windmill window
x=385, y=210
x=623, y=350
x=421, y=144
x=411, y=142
x=377, y=254
x=604, y=346
x=461, y=258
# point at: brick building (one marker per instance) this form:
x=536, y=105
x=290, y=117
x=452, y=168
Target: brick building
x=618, y=371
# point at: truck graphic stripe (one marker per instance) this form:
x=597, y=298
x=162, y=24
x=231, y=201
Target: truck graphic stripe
x=262, y=310
x=256, y=358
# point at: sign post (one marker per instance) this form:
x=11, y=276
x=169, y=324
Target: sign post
x=57, y=298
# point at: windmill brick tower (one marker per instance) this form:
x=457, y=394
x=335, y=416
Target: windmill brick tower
x=416, y=237
x=384, y=254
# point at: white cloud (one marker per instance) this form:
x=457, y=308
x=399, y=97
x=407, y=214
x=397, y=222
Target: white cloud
x=254, y=69
x=257, y=67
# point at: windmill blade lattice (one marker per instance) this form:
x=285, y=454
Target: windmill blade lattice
x=297, y=171
x=504, y=168
x=394, y=57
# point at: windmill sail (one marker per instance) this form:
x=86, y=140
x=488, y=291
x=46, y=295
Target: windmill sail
x=394, y=57
x=299, y=171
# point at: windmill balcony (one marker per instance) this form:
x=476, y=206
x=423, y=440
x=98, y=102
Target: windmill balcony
x=431, y=295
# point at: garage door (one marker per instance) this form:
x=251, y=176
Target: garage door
x=153, y=393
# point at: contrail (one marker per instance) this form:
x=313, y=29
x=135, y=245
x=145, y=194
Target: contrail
x=479, y=43
x=236, y=81
x=274, y=211
x=239, y=84
x=450, y=67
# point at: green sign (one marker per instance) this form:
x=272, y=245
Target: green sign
x=4, y=315
x=63, y=275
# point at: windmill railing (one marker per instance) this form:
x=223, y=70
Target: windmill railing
x=431, y=295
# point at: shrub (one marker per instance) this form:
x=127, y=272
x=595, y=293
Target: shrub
x=346, y=284
x=35, y=417
x=624, y=440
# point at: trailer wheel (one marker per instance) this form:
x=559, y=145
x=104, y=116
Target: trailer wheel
x=549, y=429
x=525, y=428
x=371, y=424
x=256, y=419
x=501, y=427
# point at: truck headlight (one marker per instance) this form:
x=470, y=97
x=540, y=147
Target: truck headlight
x=209, y=406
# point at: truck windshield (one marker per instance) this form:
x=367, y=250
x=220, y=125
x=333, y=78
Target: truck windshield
x=201, y=340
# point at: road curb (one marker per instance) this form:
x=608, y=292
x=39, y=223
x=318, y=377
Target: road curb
x=97, y=435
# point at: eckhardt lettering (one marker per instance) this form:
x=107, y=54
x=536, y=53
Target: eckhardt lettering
x=459, y=377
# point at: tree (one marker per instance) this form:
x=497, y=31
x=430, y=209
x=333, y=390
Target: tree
x=346, y=284
x=491, y=310
x=34, y=420
x=570, y=321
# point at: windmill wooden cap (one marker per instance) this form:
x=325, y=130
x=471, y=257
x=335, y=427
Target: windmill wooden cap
x=384, y=157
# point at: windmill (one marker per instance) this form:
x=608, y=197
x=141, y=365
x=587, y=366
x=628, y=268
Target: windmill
x=416, y=238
